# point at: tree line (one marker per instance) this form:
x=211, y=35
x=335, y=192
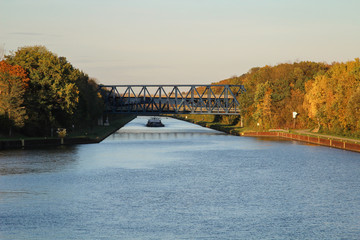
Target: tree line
x=325, y=96
x=40, y=92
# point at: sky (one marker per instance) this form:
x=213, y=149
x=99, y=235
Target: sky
x=182, y=41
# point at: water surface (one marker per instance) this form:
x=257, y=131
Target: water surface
x=180, y=182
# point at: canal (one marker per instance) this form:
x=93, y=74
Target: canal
x=180, y=182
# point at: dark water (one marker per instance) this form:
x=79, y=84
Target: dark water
x=180, y=182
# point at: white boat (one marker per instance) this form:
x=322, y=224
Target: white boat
x=154, y=122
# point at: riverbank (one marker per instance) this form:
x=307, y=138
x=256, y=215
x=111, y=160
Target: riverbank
x=95, y=134
x=298, y=135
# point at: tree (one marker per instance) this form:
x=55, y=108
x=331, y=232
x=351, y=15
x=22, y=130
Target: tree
x=284, y=93
x=52, y=95
x=353, y=112
x=90, y=105
x=13, y=81
x=332, y=98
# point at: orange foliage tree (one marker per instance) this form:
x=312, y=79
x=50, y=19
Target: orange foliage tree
x=274, y=92
x=13, y=82
x=333, y=99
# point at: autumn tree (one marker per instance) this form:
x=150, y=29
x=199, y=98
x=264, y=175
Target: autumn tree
x=57, y=95
x=52, y=95
x=274, y=92
x=353, y=112
x=13, y=81
x=333, y=98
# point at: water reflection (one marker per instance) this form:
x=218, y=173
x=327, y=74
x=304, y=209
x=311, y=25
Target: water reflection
x=199, y=185
x=174, y=129
x=156, y=136
x=37, y=160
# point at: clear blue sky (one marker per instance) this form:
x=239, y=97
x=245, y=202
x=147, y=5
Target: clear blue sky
x=182, y=41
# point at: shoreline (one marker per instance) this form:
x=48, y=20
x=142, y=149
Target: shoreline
x=328, y=142
x=43, y=142
x=333, y=142
x=102, y=132
x=96, y=135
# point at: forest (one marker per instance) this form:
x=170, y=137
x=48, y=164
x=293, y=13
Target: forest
x=325, y=96
x=41, y=92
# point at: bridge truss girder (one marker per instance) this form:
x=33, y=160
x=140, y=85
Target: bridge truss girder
x=172, y=99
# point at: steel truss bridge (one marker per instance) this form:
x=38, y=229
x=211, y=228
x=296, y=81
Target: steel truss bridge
x=172, y=99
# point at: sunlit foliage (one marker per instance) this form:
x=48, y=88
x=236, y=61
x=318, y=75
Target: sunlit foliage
x=327, y=97
x=13, y=83
x=57, y=95
x=333, y=99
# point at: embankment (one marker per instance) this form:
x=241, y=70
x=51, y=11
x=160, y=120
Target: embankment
x=345, y=144
x=328, y=142
x=86, y=136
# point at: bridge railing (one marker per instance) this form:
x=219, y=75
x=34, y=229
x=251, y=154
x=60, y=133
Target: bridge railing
x=172, y=99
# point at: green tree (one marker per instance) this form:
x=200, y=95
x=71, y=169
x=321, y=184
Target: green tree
x=52, y=95
x=263, y=101
x=90, y=105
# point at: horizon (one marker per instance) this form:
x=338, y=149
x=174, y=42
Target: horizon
x=187, y=42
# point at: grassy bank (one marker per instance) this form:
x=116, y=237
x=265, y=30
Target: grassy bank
x=99, y=133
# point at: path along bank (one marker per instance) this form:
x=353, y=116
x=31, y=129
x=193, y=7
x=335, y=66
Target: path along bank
x=313, y=138
x=94, y=134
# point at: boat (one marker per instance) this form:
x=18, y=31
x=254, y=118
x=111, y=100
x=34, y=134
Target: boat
x=154, y=122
